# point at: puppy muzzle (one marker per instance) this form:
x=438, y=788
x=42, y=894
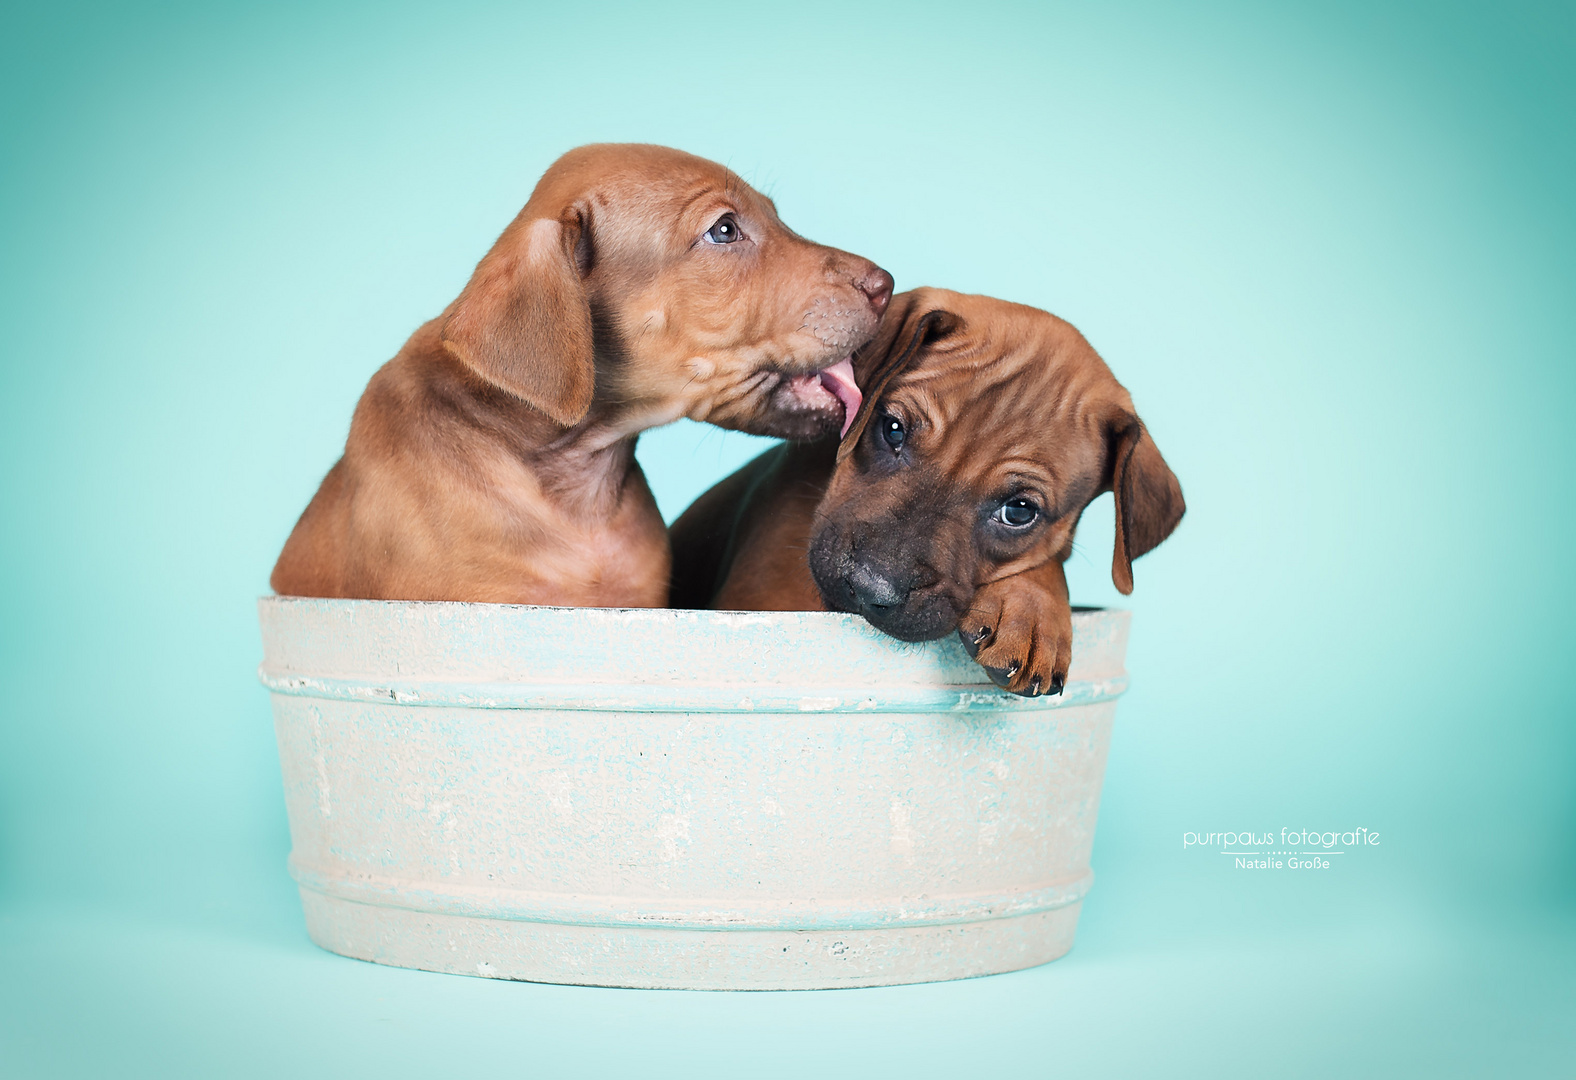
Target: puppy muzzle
x=895, y=598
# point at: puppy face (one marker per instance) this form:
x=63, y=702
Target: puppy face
x=987, y=429
x=664, y=285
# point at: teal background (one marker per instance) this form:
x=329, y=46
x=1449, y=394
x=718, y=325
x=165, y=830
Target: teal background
x=1330, y=252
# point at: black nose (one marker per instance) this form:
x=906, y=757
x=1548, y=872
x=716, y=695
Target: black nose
x=874, y=592
x=877, y=287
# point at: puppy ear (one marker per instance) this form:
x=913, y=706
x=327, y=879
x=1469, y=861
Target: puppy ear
x=1148, y=497
x=523, y=322
x=911, y=325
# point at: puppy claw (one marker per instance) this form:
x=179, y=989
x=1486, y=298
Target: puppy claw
x=1058, y=683
x=1034, y=687
x=972, y=643
x=1002, y=677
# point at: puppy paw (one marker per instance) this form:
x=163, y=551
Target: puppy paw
x=1021, y=633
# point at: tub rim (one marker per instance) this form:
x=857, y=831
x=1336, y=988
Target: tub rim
x=916, y=677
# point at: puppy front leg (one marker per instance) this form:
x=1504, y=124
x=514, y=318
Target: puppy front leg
x=1020, y=629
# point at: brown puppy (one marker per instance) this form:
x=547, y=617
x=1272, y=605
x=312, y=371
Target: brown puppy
x=493, y=459
x=986, y=429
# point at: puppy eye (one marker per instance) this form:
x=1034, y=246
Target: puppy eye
x=725, y=231
x=1016, y=513
x=892, y=432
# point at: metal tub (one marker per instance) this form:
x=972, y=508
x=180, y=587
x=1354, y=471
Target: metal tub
x=679, y=799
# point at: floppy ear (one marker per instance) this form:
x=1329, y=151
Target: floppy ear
x=903, y=335
x=524, y=321
x=1148, y=497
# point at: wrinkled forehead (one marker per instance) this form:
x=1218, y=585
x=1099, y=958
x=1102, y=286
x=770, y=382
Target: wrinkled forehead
x=1011, y=391
x=1014, y=361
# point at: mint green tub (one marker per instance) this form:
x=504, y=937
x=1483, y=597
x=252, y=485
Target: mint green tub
x=678, y=799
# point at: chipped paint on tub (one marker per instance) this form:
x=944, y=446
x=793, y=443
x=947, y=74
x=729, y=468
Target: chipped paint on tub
x=707, y=800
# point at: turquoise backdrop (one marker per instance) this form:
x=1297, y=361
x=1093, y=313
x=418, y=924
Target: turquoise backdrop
x=1332, y=253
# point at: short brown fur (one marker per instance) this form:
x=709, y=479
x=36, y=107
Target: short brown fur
x=996, y=401
x=493, y=458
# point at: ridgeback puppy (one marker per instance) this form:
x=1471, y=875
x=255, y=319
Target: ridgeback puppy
x=986, y=429
x=493, y=459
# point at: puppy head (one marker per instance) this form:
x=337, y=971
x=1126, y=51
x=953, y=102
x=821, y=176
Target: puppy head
x=662, y=285
x=986, y=430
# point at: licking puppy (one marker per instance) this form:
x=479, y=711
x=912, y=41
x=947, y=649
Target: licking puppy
x=951, y=503
x=493, y=459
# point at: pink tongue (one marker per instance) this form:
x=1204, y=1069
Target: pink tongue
x=839, y=379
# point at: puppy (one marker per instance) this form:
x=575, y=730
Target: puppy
x=493, y=459
x=951, y=503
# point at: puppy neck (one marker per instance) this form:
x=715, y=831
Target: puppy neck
x=586, y=468
x=583, y=470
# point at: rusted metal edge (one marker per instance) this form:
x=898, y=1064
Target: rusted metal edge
x=635, y=912
x=658, y=697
